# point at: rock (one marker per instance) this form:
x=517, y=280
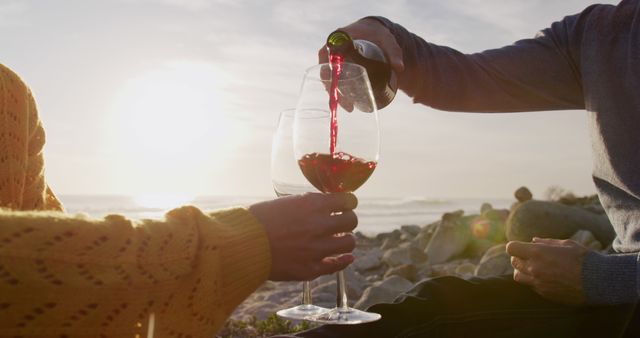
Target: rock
x=361, y=236
x=523, y=194
x=406, y=271
x=412, y=230
x=452, y=216
x=423, y=271
x=395, y=234
x=430, y=228
x=495, y=262
x=485, y=207
x=449, y=240
x=439, y=270
x=406, y=237
x=555, y=220
x=372, y=279
x=390, y=242
x=421, y=240
x=496, y=214
x=405, y=253
x=369, y=260
x=465, y=269
x=477, y=247
x=448, y=268
x=385, y=235
x=396, y=256
x=383, y=292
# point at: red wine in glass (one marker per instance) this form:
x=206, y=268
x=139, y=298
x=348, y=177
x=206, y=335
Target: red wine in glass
x=334, y=96
x=338, y=173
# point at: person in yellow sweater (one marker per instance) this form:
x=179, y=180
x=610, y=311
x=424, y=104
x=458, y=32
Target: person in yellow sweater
x=67, y=275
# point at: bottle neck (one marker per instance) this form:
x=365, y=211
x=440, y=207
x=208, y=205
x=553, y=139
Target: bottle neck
x=339, y=42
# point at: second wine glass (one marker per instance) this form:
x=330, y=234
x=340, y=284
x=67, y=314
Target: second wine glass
x=288, y=180
x=337, y=143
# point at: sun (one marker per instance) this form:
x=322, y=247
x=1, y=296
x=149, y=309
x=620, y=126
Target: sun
x=166, y=127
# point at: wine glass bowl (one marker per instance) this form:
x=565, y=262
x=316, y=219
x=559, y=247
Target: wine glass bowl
x=342, y=171
x=357, y=141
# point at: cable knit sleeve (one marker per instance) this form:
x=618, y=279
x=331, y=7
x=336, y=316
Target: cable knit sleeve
x=64, y=275
x=22, y=138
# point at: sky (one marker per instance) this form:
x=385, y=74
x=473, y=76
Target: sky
x=182, y=96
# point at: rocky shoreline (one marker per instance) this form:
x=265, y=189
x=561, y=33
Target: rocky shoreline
x=459, y=245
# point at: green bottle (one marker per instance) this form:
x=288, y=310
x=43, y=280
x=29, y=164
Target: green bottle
x=384, y=83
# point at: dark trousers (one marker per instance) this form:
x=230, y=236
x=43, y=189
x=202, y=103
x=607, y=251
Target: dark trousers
x=485, y=307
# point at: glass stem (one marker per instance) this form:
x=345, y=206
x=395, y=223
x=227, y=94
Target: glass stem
x=341, y=302
x=306, y=293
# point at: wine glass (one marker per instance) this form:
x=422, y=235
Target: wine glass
x=287, y=180
x=337, y=150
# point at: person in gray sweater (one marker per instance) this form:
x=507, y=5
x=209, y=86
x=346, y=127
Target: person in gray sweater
x=589, y=61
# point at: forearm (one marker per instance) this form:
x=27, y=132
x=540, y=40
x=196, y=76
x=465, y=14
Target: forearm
x=532, y=74
x=611, y=279
x=190, y=269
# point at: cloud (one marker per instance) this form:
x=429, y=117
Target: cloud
x=12, y=13
x=190, y=5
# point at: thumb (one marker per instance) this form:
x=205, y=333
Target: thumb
x=551, y=241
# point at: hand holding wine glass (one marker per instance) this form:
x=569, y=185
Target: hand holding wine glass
x=301, y=229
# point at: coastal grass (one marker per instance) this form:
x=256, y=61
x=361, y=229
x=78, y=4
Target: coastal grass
x=254, y=328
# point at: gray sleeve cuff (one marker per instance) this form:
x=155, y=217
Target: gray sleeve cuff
x=610, y=279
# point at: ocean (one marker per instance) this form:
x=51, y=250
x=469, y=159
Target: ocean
x=375, y=215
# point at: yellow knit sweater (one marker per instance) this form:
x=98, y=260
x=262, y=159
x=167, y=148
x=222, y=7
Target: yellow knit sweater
x=72, y=276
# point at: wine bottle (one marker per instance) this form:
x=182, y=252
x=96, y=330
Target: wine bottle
x=383, y=79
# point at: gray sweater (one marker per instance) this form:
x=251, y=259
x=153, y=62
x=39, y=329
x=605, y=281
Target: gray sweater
x=587, y=61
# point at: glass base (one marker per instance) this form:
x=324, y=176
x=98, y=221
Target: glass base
x=302, y=312
x=346, y=316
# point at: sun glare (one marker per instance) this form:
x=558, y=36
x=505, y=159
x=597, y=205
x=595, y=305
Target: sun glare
x=168, y=126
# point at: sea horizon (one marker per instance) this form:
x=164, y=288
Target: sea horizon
x=375, y=214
